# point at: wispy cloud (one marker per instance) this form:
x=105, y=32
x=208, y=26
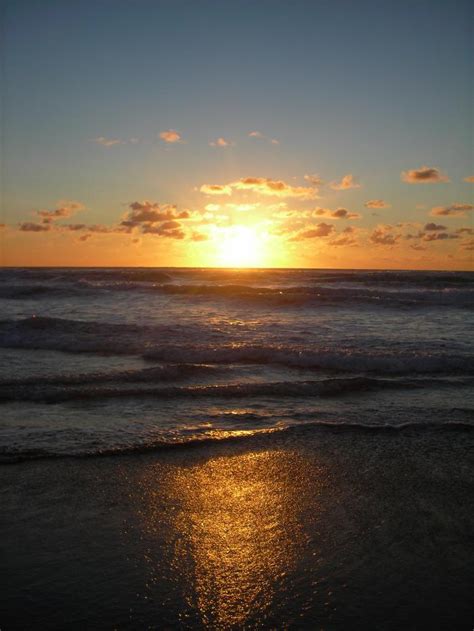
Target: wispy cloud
x=424, y=175
x=339, y=213
x=262, y=186
x=455, y=210
x=216, y=189
x=170, y=136
x=108, y=142
x=259, y=135
x=376, y=203
x=221, y=142
x=64, y=208
x=314, y=179
x=347, y=182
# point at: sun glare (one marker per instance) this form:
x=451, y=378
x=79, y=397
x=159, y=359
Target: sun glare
x=241, y=246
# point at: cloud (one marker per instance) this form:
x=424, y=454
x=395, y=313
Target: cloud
x=74, y=227
x=469, y=178
x=258, y=134
x=314, y=180
x=465, y=231
x=64, y=208
x=347, y=182
x=170, y=229
x=382, y=235
x=339, y=213
x=151, y=212
x=29, y=226
x=376, y=203
x=345, y=238
x=434, y=227
x=424, y=175
x=468, y=244
x=216, y=189
x=320, y=230
x=221, y=142
x=278, y=188
x=170, y=136
x=199, y=236
x=262, y=186
x=108, y=142
x=455, y=210
x=439, y=236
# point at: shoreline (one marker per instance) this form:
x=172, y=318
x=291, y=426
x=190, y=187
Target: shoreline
x=288, y=530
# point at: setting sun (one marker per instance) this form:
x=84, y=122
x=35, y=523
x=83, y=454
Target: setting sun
x=241, y=246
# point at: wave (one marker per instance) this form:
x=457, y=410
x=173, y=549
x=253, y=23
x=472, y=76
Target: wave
x=14, y=455
x=155, y=374
x=332, y=387
x=80, y=336
x=341, y=360
x=75, y=336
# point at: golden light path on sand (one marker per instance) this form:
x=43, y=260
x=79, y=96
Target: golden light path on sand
x=235, y=532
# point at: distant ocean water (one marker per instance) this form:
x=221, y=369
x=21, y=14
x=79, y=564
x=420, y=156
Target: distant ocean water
x=99, y=361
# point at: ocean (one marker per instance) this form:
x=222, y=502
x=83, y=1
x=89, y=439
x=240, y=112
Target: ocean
x=100, y=361
x=236, y=449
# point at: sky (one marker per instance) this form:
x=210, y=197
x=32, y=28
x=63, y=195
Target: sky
x=296, y=133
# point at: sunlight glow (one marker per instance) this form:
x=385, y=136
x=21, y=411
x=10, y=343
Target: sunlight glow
x=242, y=246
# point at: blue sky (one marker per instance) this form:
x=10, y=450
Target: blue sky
x=368, y=88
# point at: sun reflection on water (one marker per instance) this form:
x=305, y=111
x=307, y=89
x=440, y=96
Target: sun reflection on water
x=236, y=532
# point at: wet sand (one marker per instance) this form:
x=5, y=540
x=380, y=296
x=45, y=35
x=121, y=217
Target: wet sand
x=299, y=530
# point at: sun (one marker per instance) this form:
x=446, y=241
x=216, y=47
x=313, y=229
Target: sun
x=241, y=246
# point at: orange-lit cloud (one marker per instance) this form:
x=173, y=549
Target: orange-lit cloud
x=469, y=178
x=376, y=203
x=339, y=213
x=321, y=230
x=347, y=182
x=64, y=208
x=262, y=186
x=345, y=238
x=424, y=175
x=455, y=210
x=434, y=227
x=314, y=180
x=170, y=136
x=30, y=226
x=221, y=142
x=383, y=235
x=107, y=142
x=199, y=236
x=216, y=189
x=278, y=188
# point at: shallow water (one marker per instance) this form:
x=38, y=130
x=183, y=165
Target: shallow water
x=98, y=361
x=305, y=529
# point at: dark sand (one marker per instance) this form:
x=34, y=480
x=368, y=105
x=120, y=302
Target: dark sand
x=302, y=530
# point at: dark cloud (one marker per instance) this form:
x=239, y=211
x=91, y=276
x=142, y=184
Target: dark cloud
x=382, y=235
x=434, y=227
x=319, y=231
x=30, y=226
x=455, y=210
x=424, y=175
